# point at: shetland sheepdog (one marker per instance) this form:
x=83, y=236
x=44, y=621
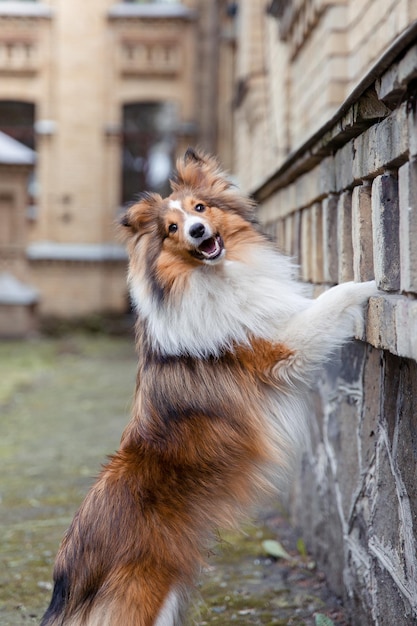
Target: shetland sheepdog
x=227, y=343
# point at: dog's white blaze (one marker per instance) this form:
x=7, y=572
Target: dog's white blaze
x=169, y=611
x=176, y=204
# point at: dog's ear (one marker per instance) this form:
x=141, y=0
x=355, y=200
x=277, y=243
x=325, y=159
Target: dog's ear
x=140, y=217
x=193, y=156
x=202, y=174
x=197, y=169
x=124, y=220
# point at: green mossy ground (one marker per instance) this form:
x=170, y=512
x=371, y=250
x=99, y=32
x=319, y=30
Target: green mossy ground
x=63, y=405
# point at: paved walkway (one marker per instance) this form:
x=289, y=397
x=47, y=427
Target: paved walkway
x=63, y=406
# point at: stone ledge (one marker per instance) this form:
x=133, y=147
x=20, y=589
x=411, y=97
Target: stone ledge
x=14, y=293
x=151, y=11
x=81, y=252
x=394, y=83
x=13, y=8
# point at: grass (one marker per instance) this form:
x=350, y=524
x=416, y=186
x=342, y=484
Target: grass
x=64, y=403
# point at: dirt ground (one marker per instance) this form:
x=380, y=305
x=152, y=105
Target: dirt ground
x=63, y=405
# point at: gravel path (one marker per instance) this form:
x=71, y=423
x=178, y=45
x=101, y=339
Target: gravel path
x=63, y=406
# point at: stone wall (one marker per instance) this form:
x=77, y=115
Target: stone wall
x=345, y=206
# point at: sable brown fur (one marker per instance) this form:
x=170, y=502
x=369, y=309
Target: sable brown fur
x=194, y=451
x=226, y=341
x=183, y=468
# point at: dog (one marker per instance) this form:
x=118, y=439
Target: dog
x=228, y=341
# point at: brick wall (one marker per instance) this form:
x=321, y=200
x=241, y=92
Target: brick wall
x=299, y=68
x=345, y=206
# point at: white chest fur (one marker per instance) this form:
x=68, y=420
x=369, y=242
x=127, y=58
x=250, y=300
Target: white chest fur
x=223, y=304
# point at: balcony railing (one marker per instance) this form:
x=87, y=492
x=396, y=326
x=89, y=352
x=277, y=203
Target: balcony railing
x=18, y=56
x=161, y=58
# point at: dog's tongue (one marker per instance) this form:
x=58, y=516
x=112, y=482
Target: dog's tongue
x=209, y=246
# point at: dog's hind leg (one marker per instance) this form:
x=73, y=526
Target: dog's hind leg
x=171, y=613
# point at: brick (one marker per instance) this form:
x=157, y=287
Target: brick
x=330, y=252
x=406, y=327
x=275, y=230
x=292, y=236
x=344, y=166
x=363, y=262
x=306, y=245
x=365, y=27
x=356, y=11
x=344, y=237
x=327, y=178
x=295, y=244
x=369, y=108
x=382, y=146
x=393, y=83
x=391, y=324
x=317, y=243
x=287, y=241
x=361, y=115
x=385, y=220
x=381, y=323
x=307, y=188
x=407, y=183
x=412, y=131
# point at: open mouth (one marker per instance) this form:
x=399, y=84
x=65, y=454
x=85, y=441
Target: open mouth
x=210, y=249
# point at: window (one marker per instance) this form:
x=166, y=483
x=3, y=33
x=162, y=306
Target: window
x=17, y=120
x=148, y=148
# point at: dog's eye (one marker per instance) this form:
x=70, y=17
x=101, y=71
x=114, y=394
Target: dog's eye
x=172, y=228
x=199, y=207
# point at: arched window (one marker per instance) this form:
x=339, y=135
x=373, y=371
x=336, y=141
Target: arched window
x=149, y=130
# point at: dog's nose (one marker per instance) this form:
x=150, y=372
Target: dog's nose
x=197, y=230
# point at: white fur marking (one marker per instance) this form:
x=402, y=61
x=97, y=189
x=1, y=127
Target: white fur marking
x=196, y=220
x=169, y=610
x=176, y=204
x=223, y=304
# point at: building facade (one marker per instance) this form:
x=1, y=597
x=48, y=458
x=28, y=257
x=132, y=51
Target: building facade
x=297, y=62
x=312, y=105
x=325, y=140
x=18, y=299
x=107, y=93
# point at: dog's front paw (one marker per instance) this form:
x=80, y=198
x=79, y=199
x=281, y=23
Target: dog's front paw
x=349, y=294
x=363, y=291
x=333, y=318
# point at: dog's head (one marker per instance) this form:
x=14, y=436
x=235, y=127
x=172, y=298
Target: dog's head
x=203, y=220
x=200, y=192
